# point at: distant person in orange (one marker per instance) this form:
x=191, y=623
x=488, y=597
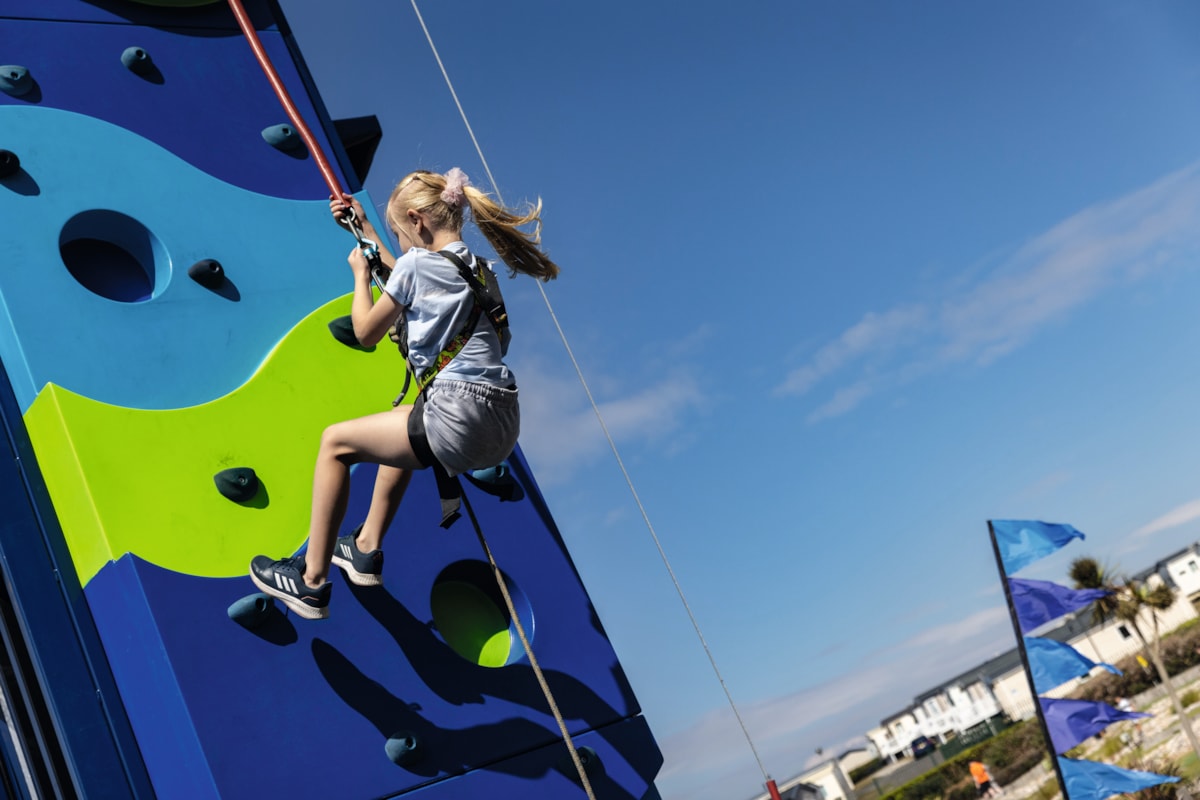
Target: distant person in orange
x=983, y=780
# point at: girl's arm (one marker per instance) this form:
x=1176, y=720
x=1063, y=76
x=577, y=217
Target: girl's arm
x=338, y=206
x=371, y=318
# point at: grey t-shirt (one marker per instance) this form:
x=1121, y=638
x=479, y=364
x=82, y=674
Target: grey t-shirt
x=437, y=305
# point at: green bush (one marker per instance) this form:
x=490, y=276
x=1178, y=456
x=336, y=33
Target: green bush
x=1189, y=697
x=1178, y=654
x=1163, y=791
x=1009, y=755
x=871, y=767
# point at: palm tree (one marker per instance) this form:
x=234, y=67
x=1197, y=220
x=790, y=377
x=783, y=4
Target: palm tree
x=1127, y=602
x=1087, y=573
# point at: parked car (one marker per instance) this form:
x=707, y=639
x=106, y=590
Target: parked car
x=922, y=746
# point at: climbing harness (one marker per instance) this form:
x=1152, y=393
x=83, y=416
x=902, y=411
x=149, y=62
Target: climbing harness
x=485, y=291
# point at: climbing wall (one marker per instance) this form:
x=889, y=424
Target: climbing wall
x=140, y=139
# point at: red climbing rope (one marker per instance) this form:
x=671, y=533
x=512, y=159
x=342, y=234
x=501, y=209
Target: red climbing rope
x=264, y=61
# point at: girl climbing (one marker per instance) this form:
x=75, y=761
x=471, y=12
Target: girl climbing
x=468, y=418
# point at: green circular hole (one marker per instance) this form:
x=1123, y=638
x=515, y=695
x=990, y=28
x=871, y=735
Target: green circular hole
x=471, y=623
x=471, y=616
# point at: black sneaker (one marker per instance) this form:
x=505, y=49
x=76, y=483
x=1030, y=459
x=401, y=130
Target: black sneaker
x=364, y=569
x=285, y=579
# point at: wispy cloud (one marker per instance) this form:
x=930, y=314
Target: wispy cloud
x=711, y=760
x=1037, y=286
x=560, y=431
x=1180, y=515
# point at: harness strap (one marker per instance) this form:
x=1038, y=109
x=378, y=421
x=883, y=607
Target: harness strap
x=449, y=489
x=486, y=290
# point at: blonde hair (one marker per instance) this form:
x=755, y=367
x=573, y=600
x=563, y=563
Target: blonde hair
x=422, y=191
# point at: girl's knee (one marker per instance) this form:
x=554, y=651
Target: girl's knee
x=335, y=443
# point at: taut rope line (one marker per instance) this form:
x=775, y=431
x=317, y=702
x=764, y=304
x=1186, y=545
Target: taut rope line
x=596, y=409
x=264, y=61
x=533, y=662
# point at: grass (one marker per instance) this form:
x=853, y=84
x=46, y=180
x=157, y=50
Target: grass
x=1047, y=791
x=1189, y=768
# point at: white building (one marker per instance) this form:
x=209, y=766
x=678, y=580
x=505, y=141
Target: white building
x=943, y=712
x=1001, y=686
x=825, y=781
x=1182, y=570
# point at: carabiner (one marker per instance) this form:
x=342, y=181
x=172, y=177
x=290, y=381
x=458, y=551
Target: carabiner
x=369, y=248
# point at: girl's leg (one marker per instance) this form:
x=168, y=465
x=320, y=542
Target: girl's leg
x=380, y=439
x=390, y=484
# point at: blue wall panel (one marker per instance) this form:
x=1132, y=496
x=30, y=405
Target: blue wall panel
x=158, y=172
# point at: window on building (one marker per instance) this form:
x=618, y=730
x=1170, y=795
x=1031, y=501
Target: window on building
x=1125, y=634
x=1192, y=565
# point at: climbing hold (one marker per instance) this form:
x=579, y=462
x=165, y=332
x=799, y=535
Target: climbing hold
x=252, y=610
x=15, y=80
x=208, y=273
x=9, y=163
x=283, y=137
x=587, y=757
x=402, y=748
x=497, y=481
x=137, y=61
x=342, y=329
x=491, y=474
x=239, y=484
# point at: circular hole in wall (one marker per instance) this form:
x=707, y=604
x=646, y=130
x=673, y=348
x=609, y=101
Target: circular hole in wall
x=113, y=255
x=472, y=618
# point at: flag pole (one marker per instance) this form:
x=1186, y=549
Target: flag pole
x=1016, y=623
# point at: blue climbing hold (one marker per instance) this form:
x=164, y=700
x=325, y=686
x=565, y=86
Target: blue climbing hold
x=9, y=163
x=491, y=474
x=208, y=273
x=497, y=481
x=252, y=610
x=402, y=748
x=283, y=137
x=239, y=484
x=588, y=758
x=137, y=60
x=342, y=329
x=15, y=80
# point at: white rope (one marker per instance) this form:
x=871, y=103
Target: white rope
x=596, y=409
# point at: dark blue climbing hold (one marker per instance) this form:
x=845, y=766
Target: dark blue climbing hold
x=587, y=757
x=342, y=329
x=402, y=748
x=9, y=163
x=283, y=137
x=239, y=484
x=137, y=61
x=208, y=273
x=497, y=481
x=15, y=80
x=252, y=610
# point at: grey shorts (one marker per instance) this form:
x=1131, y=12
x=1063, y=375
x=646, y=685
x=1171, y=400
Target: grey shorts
x=471, y=425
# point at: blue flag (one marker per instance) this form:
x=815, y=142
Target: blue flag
x=1039, y=602
x=1054, y=663
x=1073, y=721
x=1022, y=542
x=1091, y=780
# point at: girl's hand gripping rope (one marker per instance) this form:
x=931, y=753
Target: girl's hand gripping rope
x=349, y=213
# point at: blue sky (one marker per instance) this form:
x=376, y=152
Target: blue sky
x=847, y=280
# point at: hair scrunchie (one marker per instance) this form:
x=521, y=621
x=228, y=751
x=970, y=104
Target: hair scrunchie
x=456, y=181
